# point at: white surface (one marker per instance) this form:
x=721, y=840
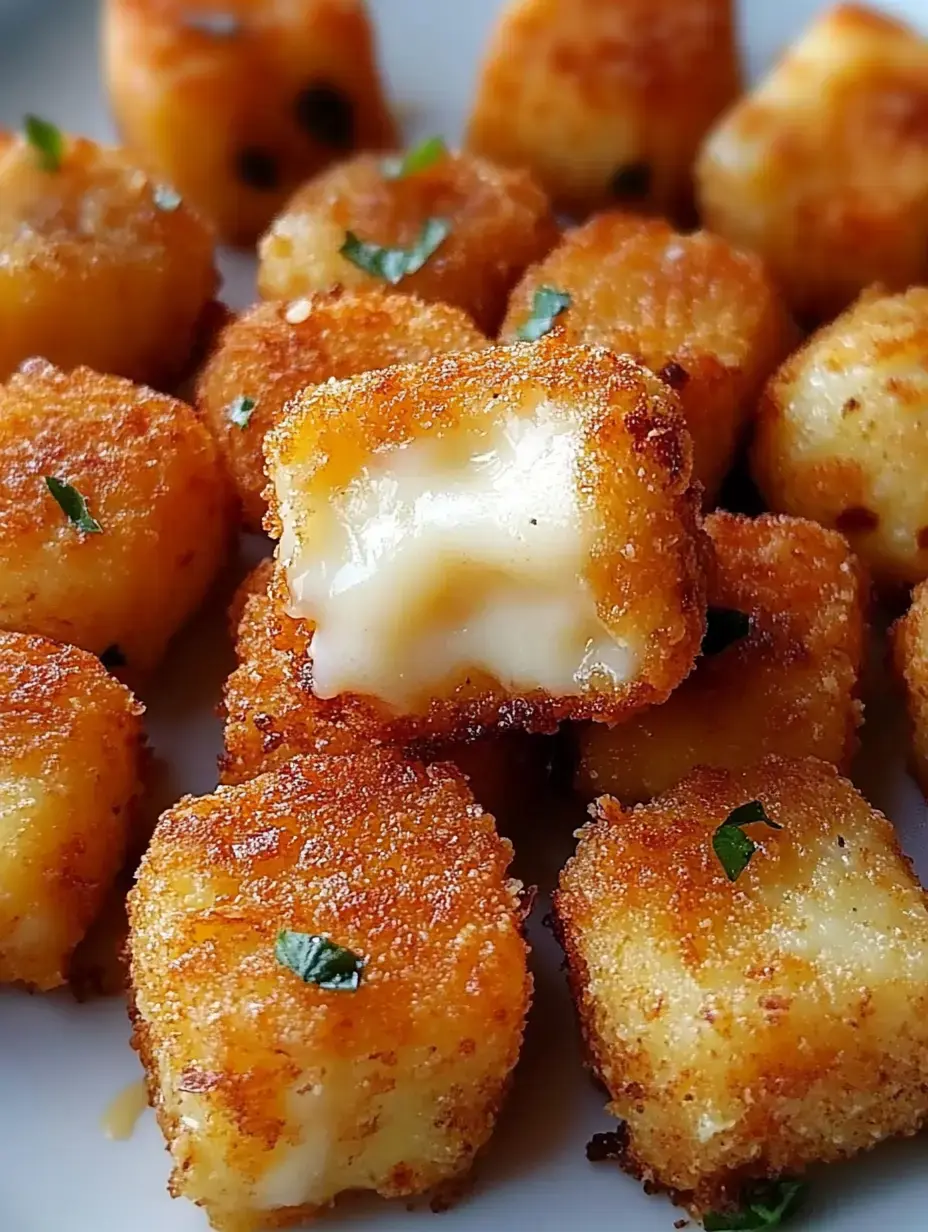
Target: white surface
x=60, y=1063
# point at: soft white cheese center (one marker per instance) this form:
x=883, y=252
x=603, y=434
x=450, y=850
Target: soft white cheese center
x=456, y=554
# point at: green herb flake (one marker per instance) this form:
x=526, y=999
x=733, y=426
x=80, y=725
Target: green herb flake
x=47, y=140
x=724, y=627
x=394, y=264
x=419, y=158
x=732, y=846
x=547, y=304
x=73, y=506
x=319, y=961
x=166, y=198
x=768, y=1204
x=240, y=411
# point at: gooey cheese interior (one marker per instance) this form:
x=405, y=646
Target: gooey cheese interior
x=459, y=553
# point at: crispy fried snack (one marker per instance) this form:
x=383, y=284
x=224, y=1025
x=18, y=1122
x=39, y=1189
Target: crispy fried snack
x=909, y=638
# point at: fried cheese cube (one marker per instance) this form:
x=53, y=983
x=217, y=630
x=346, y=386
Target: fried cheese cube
x=606, y=102
x=71, y=749
x=114, y=512
x=275, y=349
x=501, y=538
x=823, y=168
x=702, y=315
x=747, y=1029
x=329, y=983
x=459, y=231
x=842, y=434
x=779, y=672
x=909, y=639
x=99, y=264
x=236, y=106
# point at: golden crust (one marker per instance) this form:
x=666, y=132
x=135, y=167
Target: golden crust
x=237, y=120
x=92, y=271
x=232, y=1038
x=580, y=92
x=842, y=433
x=823, y=168
x=646, y=563
x=500, y=222
x=270, y=358
x=70, y=747
x=702, y=315
x=150, y=475
x=789, y=687
x=909, y=642
x=752, y=1029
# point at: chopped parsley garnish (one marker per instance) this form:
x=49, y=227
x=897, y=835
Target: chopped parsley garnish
x=317, y=960
x=113, y=657
x=47, y=140
x=419, y=158
x=547, y=304
x=216, y=24
x=724, y=627
x=732, y=846
x=166, y=198
x=394, y=264
x=767, y=1204
x=73, y=506
x=241, y=410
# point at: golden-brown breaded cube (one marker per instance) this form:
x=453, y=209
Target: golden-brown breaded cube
x=272, y=714
x=702, y=315
x=274, y=350
x=823, y=168
x=125, y=548
x=70, y=750
x=495, y=539
x=468, y=229
x=748, y=1029
x=909, y=637
x=237, y=105
x=842, y=434
x=329, y=984
x=779, y=671
x=99, y=264
x=606, y=102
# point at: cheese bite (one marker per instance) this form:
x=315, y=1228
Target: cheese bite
x=237, y=105
x=842, y=433
x=749, y=1019
x=606, y=102
x=329, y=983
x=779, y=671
x=274, y=350
x=71, y=749
x=503, y=538
x=458, y=230
x=823, y=168
x=702, y=315
x=909, y=639
x=114, y=513
x=99, y=263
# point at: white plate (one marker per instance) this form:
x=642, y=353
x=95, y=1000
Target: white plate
x=61, y=1063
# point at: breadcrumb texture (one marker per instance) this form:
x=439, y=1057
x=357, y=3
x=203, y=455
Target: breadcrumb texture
x=149, y=472
x=842, y=434
x=237, y=104
x=276, y=1095
x=92, y=271
x=70, y=749
x=645, y=566
x=702, y=315
x=823, y=168
x=909, y=638
x=789, y=687
x=276, y=349
x=500, y=222
x=606, y=102
x=751, y=1029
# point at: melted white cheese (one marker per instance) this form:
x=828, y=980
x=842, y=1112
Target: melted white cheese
x=457, y=554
